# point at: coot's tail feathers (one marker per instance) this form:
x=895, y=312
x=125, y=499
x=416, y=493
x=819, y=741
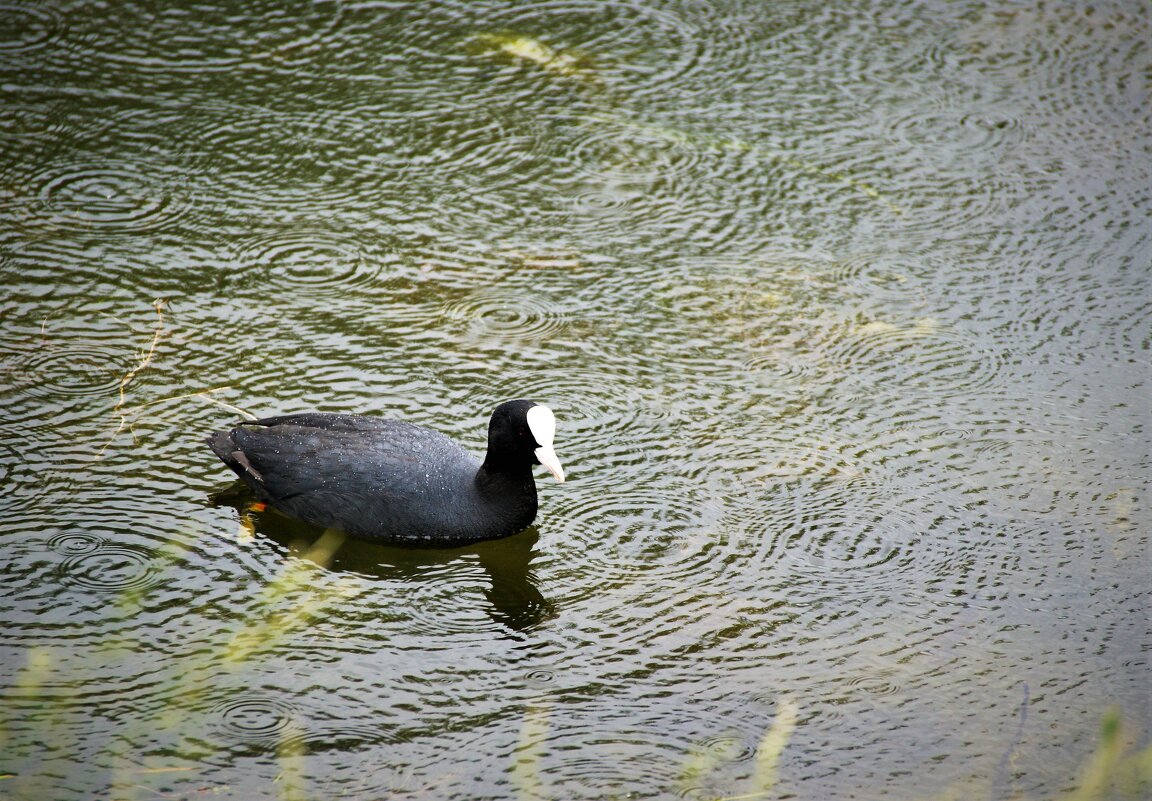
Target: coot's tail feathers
x=221, y=444
x=224, y=446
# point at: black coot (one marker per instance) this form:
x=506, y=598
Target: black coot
x=393, y=481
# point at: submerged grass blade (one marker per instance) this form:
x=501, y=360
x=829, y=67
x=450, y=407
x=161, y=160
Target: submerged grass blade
x=529, y=751
x=292, y=601
x=702, y=761
x=41, y=683
x=291, y=782
x=538, y=53
x=1110, y=772
x=772, y=745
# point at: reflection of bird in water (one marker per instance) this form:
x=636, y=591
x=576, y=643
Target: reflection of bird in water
x=513, y=598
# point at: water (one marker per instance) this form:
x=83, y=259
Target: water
x=843, y=310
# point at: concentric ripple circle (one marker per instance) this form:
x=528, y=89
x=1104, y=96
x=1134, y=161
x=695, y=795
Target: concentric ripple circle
x=873, y=684
x=440, y=596
x=595, y=205
x=315, y=260
x=505, y=315
x=923, y=354
x=110, y=568
x=108, y=196
x=75, y=543
x=849, y=539
x=644, y=534
x=626, y=41
x=788, y=366
x=976, y=133
x=219, y=43
x=254, y=718
x=895, y=276
x=69, y=370
x=613, y=150
x=24, y=28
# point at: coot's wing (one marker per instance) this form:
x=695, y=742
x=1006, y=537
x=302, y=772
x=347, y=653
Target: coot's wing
x=341, y=454
x=368, y=476
x=272, y=444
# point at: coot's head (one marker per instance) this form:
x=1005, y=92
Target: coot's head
x=521, y=432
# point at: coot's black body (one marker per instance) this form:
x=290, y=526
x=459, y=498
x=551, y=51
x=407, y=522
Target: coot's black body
x=393, y=481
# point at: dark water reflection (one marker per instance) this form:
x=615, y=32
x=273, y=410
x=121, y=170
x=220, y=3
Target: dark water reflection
x=446, y=575
x=843, y=310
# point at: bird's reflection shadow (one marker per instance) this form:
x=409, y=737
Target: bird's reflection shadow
x=513, y=597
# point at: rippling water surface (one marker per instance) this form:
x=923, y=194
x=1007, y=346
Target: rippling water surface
x=843, y=309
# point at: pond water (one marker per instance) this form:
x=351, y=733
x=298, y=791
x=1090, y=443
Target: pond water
x=844, y=311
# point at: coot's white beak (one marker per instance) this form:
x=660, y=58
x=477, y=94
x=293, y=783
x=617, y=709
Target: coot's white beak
x=548, y=458
x=542, y=424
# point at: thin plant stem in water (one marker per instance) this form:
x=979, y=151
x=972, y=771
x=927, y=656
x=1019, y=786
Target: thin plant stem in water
x=146, y=358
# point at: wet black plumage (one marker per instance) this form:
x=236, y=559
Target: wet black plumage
x=393, y=481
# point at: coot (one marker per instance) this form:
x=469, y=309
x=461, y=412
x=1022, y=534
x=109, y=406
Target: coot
x=393, y=481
